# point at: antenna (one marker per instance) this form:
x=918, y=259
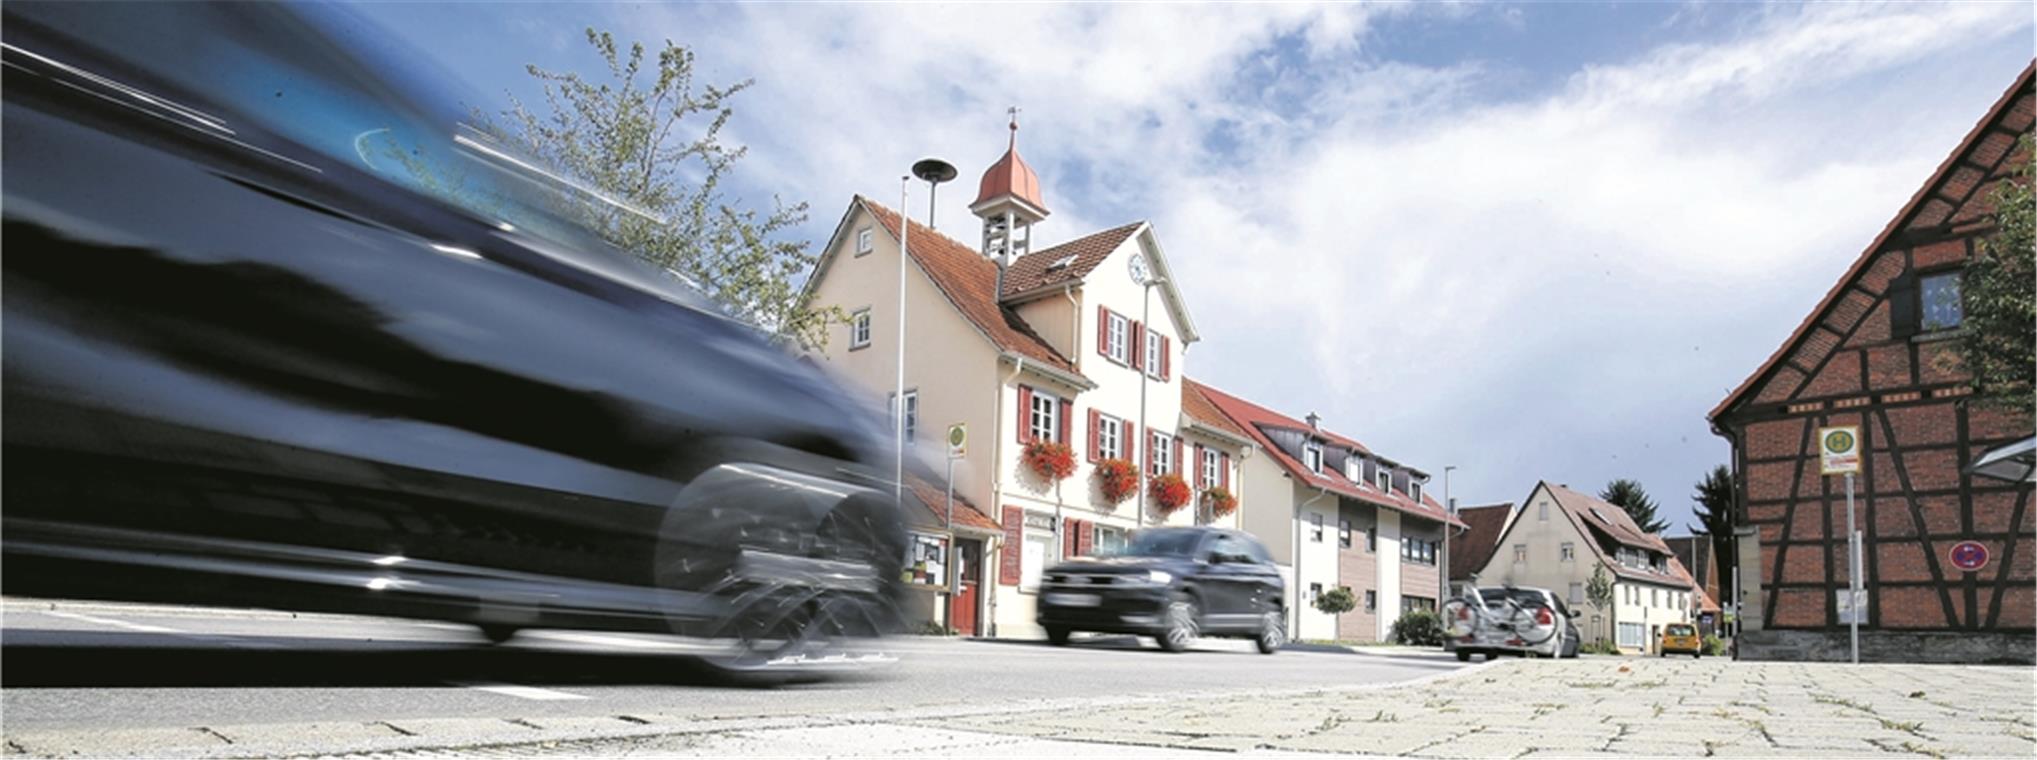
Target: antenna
x=935, y=172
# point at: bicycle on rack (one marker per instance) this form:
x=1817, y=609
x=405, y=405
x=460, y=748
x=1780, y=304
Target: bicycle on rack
x=1498, y=620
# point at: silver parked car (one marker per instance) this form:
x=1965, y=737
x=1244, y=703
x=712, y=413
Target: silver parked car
x=1521, y=621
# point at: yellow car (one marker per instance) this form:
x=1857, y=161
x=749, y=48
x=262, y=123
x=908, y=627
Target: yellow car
x=1681, y=639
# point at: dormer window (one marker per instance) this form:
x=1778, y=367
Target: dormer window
x=1415, y=490
x=1354, y=470
x=1061, y=263
x=1312, y=457
x=1384, y=479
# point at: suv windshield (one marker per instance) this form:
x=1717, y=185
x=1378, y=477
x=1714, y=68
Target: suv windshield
x=1169, y=542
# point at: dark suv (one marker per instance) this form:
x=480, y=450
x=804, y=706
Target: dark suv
x=1172, y=584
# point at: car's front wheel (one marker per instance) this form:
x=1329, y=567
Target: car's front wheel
x=1463, y=655
x=1179, y=628
x=1272, y=632
x=1058, y=635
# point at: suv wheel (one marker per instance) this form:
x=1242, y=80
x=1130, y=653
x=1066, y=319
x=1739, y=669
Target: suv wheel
x=1180, y=626
x=1057, y=635
x=1272, y=632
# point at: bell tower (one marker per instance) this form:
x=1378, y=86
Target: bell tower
x=1008, y=202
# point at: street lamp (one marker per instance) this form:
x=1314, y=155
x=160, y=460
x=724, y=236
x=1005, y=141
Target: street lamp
x=1146, y=280
x=1449, y=511
x=934, y=171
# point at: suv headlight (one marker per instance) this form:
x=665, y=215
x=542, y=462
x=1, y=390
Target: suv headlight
x=1159, y=577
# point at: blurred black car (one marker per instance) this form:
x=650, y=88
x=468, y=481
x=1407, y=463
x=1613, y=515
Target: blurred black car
x=281, y=331
x=1173, y=584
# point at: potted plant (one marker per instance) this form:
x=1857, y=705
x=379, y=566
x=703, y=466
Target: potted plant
x=1051, y=460
x=1169, y=492
x=1118, y=478
x=1221, y=502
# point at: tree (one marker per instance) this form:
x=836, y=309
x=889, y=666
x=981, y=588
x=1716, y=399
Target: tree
x=1714, y=510
x=651, y=150
x=1598, y=590
x=1998, y=329
x=1628, y=495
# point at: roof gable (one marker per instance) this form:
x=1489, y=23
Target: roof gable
x=1471, y=549
x=1953, y=198
x=1252, y=418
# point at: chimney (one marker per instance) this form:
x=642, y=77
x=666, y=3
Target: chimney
x=1315, y=421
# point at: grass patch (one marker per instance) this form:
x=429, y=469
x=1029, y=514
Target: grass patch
x=1591, y=684
x=1908, y=727
x=1923, y=750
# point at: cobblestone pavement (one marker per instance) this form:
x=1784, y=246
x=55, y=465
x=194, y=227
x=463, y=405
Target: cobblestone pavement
x=1595, y=707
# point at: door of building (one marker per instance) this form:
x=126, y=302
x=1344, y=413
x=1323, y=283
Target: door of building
x=962, y=608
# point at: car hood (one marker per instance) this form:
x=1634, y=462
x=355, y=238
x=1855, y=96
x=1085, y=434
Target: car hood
x=1116, y=565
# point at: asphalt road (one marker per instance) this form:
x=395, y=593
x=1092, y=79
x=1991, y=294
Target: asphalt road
x=72, y=666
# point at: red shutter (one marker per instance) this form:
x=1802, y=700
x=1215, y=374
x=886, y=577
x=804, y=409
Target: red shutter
x=1008, y=570
x=1132, y=447
x=1085, y=535
x=1103, y=331
x=1165, y=359
x=1094, y=425
x=1137, y=354
x=1069, y=527
x=1063, y=409
x=1176, y=469
x=1224, y=470
x=1025, y=414
x=1195, y=470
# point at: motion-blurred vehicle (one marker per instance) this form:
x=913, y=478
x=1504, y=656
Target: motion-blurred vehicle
x=281, y=331
x=1681, y=638
x=1509, y=620
x=1173, y=584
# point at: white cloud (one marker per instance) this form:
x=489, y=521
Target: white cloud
x=1554, y=285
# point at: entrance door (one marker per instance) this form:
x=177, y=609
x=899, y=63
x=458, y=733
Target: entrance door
x=962, y=609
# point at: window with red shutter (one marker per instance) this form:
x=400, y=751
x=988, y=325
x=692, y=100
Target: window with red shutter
x=1085, y=536
x=1103, y=332
x=1095, y=426
x=1224, y=470
x=1137, y=352
x=1008, y=570
x=1166, y=361
x=1132, y=447
x=1200, y=477
x=1025, y=414
x=1064, y=408
x=1069, y=528
x=1174, y=465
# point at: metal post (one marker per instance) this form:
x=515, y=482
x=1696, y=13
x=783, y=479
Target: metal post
x=898, y=393
x=954, y=549
x=1852, y=573
x=1146, y=445
x=1449, y=511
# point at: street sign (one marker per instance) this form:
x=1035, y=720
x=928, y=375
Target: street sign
x=1968, y=556
x=958, y=440
x=1839, y=449
x=1852, y=607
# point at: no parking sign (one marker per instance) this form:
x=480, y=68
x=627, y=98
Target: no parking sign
x=1968, y=556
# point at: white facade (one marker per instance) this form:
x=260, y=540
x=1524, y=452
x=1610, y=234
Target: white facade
x=1543, y=546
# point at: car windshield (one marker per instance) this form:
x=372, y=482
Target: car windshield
x=1161, y=543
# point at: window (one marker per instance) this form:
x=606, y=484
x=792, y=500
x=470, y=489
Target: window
x=1418, y=551
x=926, y=560
x=1415, y=490
x=1161, y=455
x=1212, y=468
x=1344, y=534
x=1631, y=634
x=1384, y=478
x=1354, y=469
x=1314, y=590
x=1045, y=418
x=1371, y=600
x=911, y=414
x=1032, y=559
x=1654, y=597
x=1315, y=521
x=1109, y=540
x=1569, y=552
x=859, y=328
x=1576, y=593
x=1940, y=306
x=1412, y=603
x=1117, y=338
x=1520, y=554
x=1372, y=539
x=1155, y=348
x=1312, y=457
x=1110, y=437
x=1542, y=511
x=865, y=241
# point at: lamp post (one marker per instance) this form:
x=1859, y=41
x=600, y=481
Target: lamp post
x=898, y=391
x=1449, y=511
x=1146, y=280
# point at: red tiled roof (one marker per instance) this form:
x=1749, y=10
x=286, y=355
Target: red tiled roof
x=933, y=505
x=1860, y=264
x=1010, y=176
x=1031, y=271
x=1470, y=550
x=1252, y=417
x=970, y=282
x=1199, y=408
x=1704, y=600
x=1698, y=550
x=1595, y=517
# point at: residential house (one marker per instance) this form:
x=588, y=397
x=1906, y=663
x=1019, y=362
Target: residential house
x=1559, y=537
x=1880, y=353
x=1471, y=546
x=1024, y=344
x=1335, y=513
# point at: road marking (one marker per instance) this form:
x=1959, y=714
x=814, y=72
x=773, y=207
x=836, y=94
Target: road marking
x=520, y=692
x=616, y=641
x=109, y=621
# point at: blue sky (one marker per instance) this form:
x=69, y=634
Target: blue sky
x=1536, y=241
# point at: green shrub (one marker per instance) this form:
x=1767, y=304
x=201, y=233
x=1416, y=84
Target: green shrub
x=1597, y=647
x=1714, y=645
x=1336, y=601
x=1418, y=628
